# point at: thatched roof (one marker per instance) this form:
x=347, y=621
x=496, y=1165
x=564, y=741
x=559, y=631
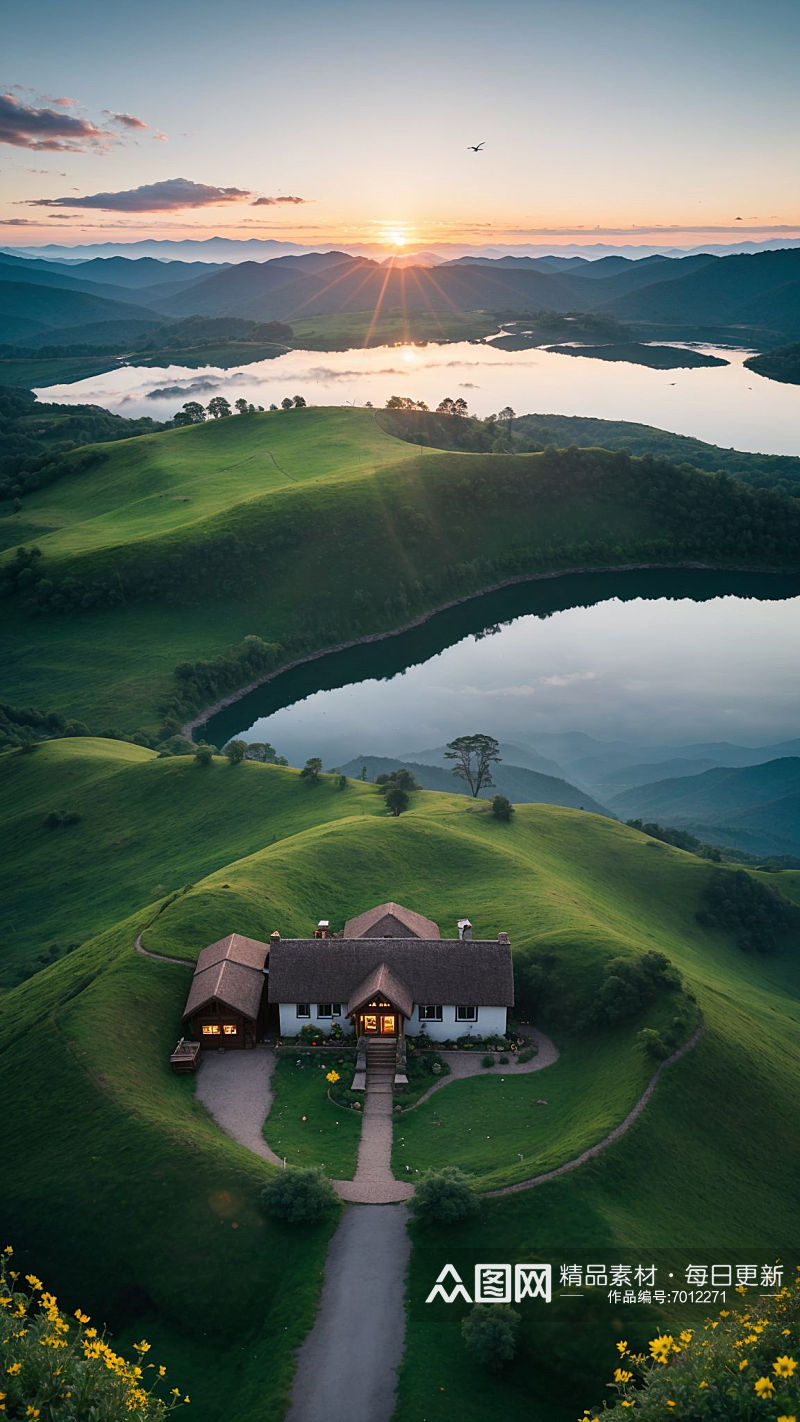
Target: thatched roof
x=438, y=970
x=230, y=972
x=391, y=921
x=382, y=980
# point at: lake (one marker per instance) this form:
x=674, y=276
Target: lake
x=665, y=658
x=724, y=405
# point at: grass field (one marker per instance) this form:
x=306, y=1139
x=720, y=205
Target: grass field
x=100, y=1135
x=305, y=1127
x=361, y=328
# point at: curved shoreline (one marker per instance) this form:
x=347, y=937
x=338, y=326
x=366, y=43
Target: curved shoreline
x=203, y=717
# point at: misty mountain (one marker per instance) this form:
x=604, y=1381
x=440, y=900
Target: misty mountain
x=520, y=785
x=755, y=807
x=761, y=289
x=524, y=756
x=30, y=310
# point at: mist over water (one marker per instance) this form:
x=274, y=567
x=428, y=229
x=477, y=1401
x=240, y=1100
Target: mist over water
x=724, y=405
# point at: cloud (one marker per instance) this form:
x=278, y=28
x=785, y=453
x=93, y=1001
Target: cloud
x=48, y=130
x=18, y=222
x=125, y=120
x=271, y=201
x=167, y=196
x=63, y=103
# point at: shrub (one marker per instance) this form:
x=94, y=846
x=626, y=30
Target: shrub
x=48, y=1362
x=487, y=1060
x=236, y=751
x=443, y=1197
x=652, y=1043
x=528, y=1054
x=504, y=1061
x=203, y=755
x=298, y=1196
x=490, y=1332
x=708, y=1375
x=56, y=818
x=502, y=808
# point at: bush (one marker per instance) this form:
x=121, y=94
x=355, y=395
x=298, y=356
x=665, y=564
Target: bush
x=502, y=808
x=203, y=755
x=443, y=1197
x=652, y=1043
x=528, y=1054
x=56, y=818
x=488, y=1060
x=708, y=1375
x=236, y=751
x=48, y=1361
x=490, y=1332
x=298, y=1196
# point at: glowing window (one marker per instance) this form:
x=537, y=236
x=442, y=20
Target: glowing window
x=229, y=1029
x=210, y=1029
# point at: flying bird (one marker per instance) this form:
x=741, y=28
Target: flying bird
x=476, y=147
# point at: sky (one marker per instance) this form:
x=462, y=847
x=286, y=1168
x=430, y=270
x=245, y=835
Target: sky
x=621, y=121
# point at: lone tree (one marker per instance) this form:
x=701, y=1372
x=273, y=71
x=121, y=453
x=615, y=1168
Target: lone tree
x=474, y=756
x=312, y=770
x=396, y=798
x=490, y=1333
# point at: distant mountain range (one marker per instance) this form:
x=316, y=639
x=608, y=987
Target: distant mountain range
x=739, y=293
x=756, y=807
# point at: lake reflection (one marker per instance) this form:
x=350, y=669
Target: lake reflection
x=724, y=405
x=671, y=658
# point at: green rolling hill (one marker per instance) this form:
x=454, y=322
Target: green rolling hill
x=100, y=1134
x=312, y=527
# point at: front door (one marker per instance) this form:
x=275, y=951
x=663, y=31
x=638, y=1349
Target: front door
x=378, y=1024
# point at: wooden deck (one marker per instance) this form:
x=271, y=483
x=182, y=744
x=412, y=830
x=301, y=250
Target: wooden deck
x=185, y=1056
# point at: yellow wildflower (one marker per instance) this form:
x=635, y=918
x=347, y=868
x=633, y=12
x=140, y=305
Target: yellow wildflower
x=14, y=1368
x=8, y=1251
x=686, y=1336
x=724, y=1313
x=763, y=1386
x=745, y=1363
x=702, y=1384
x=784, y=1367
x=622, y=1346
x=33, y=1281
x=31, y=1411
x=622, y=1376
x=784, y=1418
x=81, y=1317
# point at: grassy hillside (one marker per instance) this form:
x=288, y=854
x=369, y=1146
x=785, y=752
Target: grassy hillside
x=313, y=526
x=94, y=1115
x=147, y=827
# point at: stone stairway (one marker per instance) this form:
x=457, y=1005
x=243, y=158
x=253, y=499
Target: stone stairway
x=374, y=1182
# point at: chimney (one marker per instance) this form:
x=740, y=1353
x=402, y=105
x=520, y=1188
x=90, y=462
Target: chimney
x=323, y=928
x=274, y=938
x=503, y=938
x=464, y=928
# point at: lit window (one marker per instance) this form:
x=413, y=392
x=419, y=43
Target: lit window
x=229, y=1029
x=304, y=1009
x=430, y=1012
x=466, y=1014
x=210, y=1029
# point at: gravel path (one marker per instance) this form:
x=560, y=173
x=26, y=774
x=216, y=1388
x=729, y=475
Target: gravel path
x=464, y=1064
x=374, y=1183
x=236, y=1089
x=612, y=1135
x=347, y=1366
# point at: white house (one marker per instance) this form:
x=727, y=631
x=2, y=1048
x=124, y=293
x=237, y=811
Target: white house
x=391, y=973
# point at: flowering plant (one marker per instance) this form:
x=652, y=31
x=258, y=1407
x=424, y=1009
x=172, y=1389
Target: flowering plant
x=740, y=1365
x=58, y=1369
